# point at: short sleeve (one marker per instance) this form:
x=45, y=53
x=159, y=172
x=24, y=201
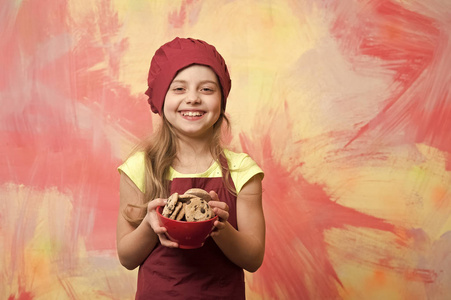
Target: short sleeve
x=242, y=168
x=135, y=168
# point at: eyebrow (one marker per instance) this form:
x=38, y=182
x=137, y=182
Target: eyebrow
x=202, y=82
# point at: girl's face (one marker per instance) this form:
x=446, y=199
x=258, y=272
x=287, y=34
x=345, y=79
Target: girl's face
x=193, y=102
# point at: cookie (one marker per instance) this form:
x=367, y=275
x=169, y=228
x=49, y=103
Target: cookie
x=185, y=197
x=181, y=215
x=176, y=211
x=170, y=205
x=192, y=206
x=199, y=193
x=197, y=209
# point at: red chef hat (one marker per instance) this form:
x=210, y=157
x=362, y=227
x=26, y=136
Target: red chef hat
x=176, y=55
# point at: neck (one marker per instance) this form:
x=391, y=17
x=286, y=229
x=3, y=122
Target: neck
x=187, y=148
x=193, y=155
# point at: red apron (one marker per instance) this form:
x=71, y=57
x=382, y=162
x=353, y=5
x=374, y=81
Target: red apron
x=202, y=273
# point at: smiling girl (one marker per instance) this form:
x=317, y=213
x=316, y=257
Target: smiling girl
x=188, y=87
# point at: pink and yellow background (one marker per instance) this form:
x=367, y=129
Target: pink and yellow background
x=345, y=104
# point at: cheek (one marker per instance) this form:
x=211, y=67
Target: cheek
x=169, y=105
x=218, y=108
x=217, y=105
x=165, y=109
x=217, y=113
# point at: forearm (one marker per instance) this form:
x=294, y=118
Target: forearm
x=134, y=247
x=244, y=250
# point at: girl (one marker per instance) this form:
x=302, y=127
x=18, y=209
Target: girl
x=188, y=87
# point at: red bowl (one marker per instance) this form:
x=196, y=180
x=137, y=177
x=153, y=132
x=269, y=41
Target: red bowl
x=189, y=235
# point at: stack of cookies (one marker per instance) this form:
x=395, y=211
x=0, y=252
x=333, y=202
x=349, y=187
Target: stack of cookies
x=191, y=206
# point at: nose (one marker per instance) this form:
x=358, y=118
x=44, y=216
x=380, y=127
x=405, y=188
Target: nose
x=192, y=97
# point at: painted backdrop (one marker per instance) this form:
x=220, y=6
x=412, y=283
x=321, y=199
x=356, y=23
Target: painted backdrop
x=345, y=104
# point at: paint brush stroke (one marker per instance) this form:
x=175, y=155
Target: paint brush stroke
x=42, y=260
x=310, y=235
x=415, y=48
x=69, y=111
x=298, y=214
x=187, y=14
x=70, y=116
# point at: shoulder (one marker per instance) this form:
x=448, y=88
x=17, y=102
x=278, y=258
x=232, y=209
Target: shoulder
x=242, y=168
x=236, y=159
x=135, y=161
x=135, y=168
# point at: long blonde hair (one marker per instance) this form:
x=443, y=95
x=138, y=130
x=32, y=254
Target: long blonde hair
x=160, y=151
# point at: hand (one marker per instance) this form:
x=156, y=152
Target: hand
x=154, y=222
x=221, y=209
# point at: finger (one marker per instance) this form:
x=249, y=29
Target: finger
x=219, y=225
x=214, y=233
x=214, y=196
x=155, y=203
x=159, y=230
x=219, y=204
x=222, y=214
x=165, y=241
x=154, y=222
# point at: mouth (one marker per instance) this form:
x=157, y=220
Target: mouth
x=190, y=113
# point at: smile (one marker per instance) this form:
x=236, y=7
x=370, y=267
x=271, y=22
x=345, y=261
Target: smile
x=192, y=113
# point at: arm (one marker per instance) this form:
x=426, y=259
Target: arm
x=134, y=244
x=246, y=246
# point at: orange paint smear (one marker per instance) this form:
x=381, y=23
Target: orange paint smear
x=298, y=213
x=58, y=134
x=412, y=47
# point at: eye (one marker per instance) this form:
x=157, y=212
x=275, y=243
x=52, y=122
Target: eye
x=178, y=89
x=207, y=90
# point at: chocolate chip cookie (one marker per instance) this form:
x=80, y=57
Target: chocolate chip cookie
x=197, y=209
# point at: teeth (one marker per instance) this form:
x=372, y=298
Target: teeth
x=192, y=114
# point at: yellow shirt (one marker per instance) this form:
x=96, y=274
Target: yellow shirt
x=241, y=166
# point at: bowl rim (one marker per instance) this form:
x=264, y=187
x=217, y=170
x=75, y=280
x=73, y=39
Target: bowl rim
x=160, y=208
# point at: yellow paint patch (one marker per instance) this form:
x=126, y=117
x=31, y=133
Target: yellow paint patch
x=40, y=256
